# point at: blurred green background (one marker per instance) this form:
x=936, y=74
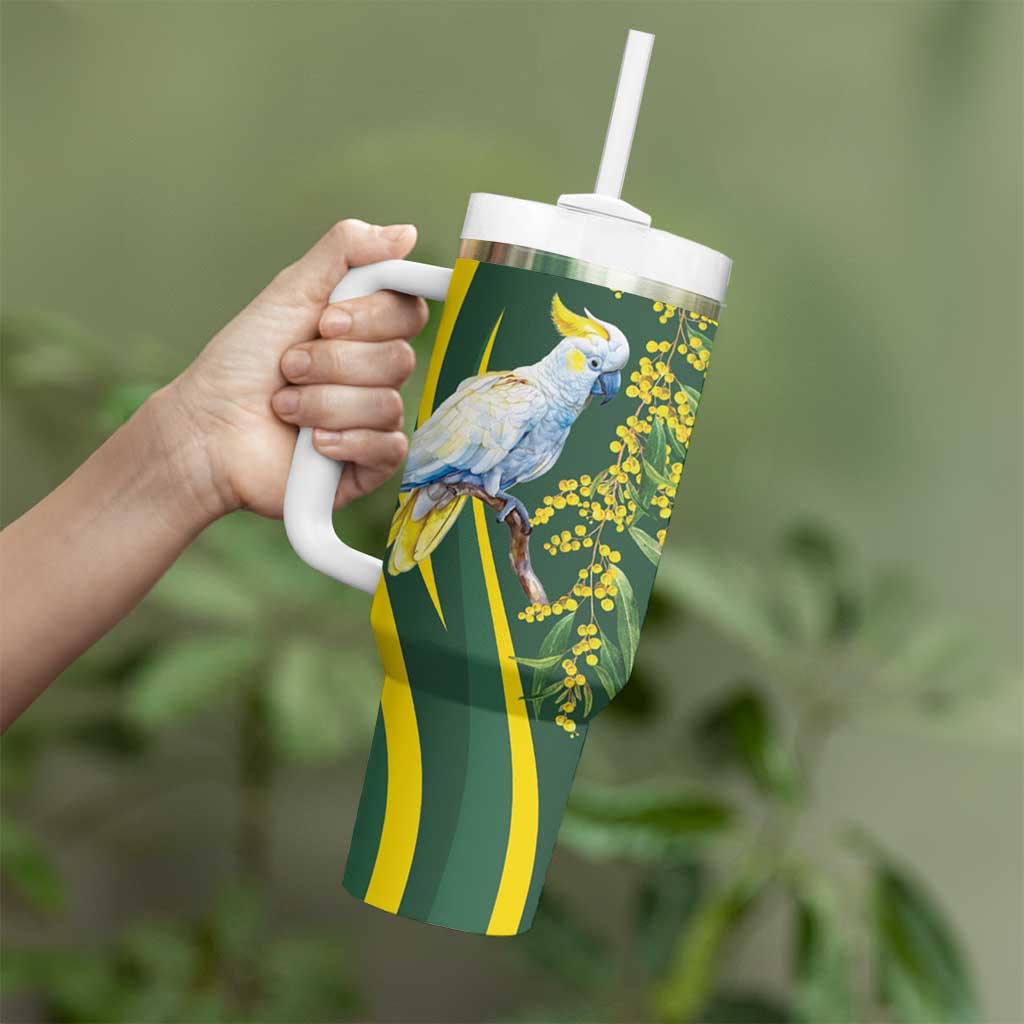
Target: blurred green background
x=808, y=803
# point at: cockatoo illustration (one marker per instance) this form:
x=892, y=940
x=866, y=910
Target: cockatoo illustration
x=502, y=429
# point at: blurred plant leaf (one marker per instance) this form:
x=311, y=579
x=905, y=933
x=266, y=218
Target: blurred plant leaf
x=48, y=350
x=818, y=599
x=640, y=822
x=748, y=1008
x=638, y=700
x=157, y=964
x=110, y=734
x=28, y=869
x=320, y=705
x=821, y=965
x=237, y=921
x=565, y=948
x=697, y=956
x=197, y=588
x=306, y=978
x=727, y=594
x=256, y=556
x=74, y=986
x=739, y=729
x=922, y=976
x=660, y=612
x=664, y=901
x=183, y=679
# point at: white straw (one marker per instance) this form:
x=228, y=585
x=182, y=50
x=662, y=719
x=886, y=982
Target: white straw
x=625, y=110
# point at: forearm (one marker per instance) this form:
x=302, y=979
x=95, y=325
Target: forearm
x=76, y=563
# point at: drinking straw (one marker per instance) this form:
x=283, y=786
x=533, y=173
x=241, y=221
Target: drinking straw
x=625, y=109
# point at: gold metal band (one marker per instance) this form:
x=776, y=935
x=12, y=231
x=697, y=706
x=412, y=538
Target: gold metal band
x=563, y=266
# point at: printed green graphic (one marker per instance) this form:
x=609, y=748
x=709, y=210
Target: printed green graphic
x=576, y=402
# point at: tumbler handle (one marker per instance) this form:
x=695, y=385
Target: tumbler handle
x=313, y=478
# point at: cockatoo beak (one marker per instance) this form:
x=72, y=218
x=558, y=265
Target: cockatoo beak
x=607, y=385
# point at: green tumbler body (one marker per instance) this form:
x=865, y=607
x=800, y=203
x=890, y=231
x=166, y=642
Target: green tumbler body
x=519, y=567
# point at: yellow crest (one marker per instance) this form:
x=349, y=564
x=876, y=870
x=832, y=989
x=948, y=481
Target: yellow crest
x=572, y=325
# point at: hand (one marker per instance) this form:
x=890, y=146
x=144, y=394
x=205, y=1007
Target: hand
x=227, y=422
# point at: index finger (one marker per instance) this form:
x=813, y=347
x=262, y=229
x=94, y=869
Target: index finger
x=377, y=317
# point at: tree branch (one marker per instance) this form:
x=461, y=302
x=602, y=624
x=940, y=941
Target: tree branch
x=519, y=550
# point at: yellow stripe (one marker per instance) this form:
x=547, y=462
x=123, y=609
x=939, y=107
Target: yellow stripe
x=486, y=358
x=427, y=572
x=405, y=770
x=462, y=277
x=522, y=832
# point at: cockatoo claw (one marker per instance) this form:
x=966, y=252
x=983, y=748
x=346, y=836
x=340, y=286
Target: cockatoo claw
x=512, y=502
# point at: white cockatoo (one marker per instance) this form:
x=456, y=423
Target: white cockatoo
x=502, y=429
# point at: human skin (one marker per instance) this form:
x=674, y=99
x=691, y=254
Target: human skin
x=216, y=439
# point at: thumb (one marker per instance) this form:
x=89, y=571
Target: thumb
x=350, y=243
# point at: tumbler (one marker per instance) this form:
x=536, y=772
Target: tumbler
x=552, y=434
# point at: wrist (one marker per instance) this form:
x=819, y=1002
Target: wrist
x=183, y=458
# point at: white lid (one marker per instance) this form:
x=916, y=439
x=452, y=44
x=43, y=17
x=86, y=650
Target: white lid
x=607, y=232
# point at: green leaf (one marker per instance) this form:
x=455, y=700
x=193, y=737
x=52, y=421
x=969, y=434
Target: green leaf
x=922, y=973
x=728, y=594
x=201, y=590
x=697, y=957
x=654, y=450
x=641, y=822
x=648, y=546
x=550, y=661
x=611, y=658
x=634, y=494
x=185, y=678
x=648, y=488
x=588, y=700
x=693, y=398
x=549, y=691
x=739, y=729
x=320, y=706
x=821, y=960
x=664, y=902
x=609, y=683
x=558, y=641
x=628, y=619
x=28, y=869
x=656, y=476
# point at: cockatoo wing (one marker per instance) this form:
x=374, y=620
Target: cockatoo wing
x=474, y=428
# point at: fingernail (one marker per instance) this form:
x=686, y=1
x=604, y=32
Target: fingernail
x=296, y=362
x=326, y=438
x=395, y=231
x=286, y=401
x=336, y=321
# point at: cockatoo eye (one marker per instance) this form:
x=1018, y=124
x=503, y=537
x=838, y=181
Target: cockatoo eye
x=595, y=363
